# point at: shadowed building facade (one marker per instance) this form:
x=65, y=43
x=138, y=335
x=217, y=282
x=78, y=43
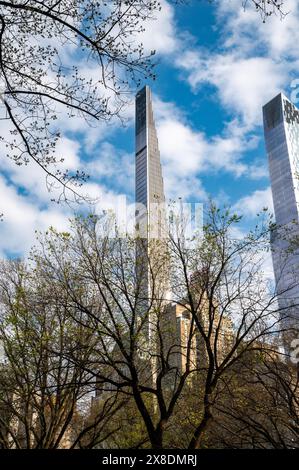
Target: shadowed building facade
x=281, y=129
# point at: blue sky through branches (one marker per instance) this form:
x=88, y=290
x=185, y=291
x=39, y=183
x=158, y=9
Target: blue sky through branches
x=216, y=66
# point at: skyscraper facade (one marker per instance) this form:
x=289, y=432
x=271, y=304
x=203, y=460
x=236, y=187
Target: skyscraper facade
x=150, y=218
x=148, y=177
x=281, y=129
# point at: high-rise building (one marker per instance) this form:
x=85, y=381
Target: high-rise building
x=151, y=252
x=149, y=195
x=281, y=128
x=149, y=180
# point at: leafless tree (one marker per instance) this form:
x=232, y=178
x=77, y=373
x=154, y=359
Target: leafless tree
x=80, y=57
x=267, y=8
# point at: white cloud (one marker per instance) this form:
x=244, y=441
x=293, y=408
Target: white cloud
x=160, y=33
x=21, y=219
x=243, y=84
x=113, y=165
x=253, y=61
x=32, y=177
x=25, y=201
x=187, y=153
x=249, y=206
x=181, y=147
x=278, y=36
x=26, y=213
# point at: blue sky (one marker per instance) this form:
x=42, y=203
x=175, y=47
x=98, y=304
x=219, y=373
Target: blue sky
x=217, y=66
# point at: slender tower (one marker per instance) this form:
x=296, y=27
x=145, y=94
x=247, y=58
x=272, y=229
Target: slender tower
x=281, y=128
x=151, y=252
x=149, y=194
x=149, y=179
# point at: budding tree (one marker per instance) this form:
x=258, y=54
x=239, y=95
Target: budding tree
x=45, y=398
x=76, y=57
x=173, y=326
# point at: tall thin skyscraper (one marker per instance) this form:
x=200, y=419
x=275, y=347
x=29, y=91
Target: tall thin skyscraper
x=151, y=251
x=281, y=128
x=149, y=179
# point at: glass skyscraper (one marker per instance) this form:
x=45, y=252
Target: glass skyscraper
x=281, y=128
x=150, y=196
x=150, y=199
x=150, y=217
